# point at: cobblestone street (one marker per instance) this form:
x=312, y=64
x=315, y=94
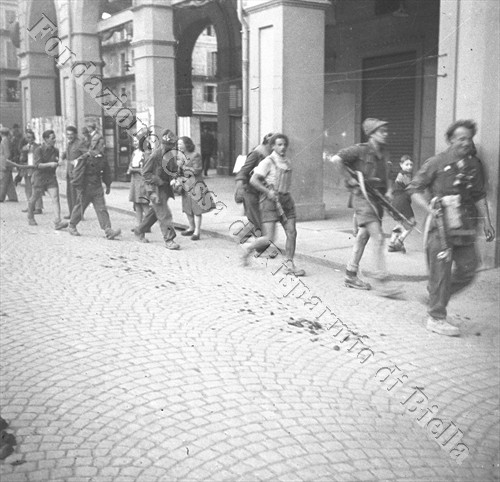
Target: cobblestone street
x=123, y=361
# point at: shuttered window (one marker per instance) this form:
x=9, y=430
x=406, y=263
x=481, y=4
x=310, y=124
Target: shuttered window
x=389, y=87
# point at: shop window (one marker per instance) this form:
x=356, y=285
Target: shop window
x=13, y=93
x=209, y=93
x=211, y=64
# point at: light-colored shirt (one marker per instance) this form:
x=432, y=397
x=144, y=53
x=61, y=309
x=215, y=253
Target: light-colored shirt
x=268, y=169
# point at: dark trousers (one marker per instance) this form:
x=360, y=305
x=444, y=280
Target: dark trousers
x=7, y=187
x=251, y=202
x=71, y=195
x=159, y=212
x=94, y=195
x=442, y=281
x=205, y=161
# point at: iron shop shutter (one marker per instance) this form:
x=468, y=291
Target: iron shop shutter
x=389, y=89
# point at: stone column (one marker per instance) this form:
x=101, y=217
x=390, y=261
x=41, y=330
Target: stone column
x=469, y=42
x=154, y=61
x=38, y=22
x=79, y=62
x=287, y=89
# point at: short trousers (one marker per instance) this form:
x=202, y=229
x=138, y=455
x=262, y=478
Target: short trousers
x=365, y=214
x=268, y=210
x=45, y=184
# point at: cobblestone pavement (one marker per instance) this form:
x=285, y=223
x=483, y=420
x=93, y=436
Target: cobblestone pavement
x=125, y=362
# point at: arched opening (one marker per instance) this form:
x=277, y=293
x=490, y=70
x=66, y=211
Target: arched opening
x=201, y=126
x=217, y=29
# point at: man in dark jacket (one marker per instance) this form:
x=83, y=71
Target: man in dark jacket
x=75, y=148
x=455, y=181
x=245, y=191
x=158, y=171
x=90, y=172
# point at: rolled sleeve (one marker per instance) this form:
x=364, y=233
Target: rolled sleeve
x=423, y=179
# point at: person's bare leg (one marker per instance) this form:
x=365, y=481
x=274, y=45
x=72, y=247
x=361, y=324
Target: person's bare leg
x=197, y=224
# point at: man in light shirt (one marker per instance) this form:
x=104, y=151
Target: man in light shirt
x=27, y=157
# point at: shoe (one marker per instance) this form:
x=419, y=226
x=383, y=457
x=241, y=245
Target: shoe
x=37, y=211
x=441, y=327
x=112, y=233
x=32, y=222
x=60, y=225
x=195, y=237
x=141, y=237
x=171, y=245
x=24, y=210
x=187, y=232
x=356, y=283
x=73, y=231
x=293, y=270
x=396, y=246
x=68, y=216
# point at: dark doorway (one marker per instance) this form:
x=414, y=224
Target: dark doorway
x=389, y=90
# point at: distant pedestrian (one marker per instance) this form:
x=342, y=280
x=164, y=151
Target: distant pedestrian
x=7, y=187
x=207, y=148
x=273, y=178
x=86, y=137
x=138, y=195
x=89, y=174
x=193, y=188
x=46, y=162
x=402, y=202
x=75, y=149
x=372, y=160
x=455, y=181
x=158, y=171
x=27, y=158
x=97, y=146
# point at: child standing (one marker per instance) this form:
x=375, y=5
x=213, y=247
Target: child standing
x=138, y=195
x=402, y=202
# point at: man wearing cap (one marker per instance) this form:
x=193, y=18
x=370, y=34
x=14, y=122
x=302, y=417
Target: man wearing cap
x=96, y=144
x=373, y=161
x=158, y=171
x=75, y=149
x=89, y=174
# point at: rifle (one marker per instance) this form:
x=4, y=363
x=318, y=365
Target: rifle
x=279, y=207
x=445, y=253
x=377, y=196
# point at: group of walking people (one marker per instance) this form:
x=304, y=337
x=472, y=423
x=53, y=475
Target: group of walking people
x=449, y=187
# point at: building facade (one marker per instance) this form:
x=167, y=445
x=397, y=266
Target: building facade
x=10, y=86
x=311, y=68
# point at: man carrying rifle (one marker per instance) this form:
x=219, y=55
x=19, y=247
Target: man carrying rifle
x=273, y=179
x=370, y=163
x=455, y=181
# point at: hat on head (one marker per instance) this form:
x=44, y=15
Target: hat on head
x=370, y=125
